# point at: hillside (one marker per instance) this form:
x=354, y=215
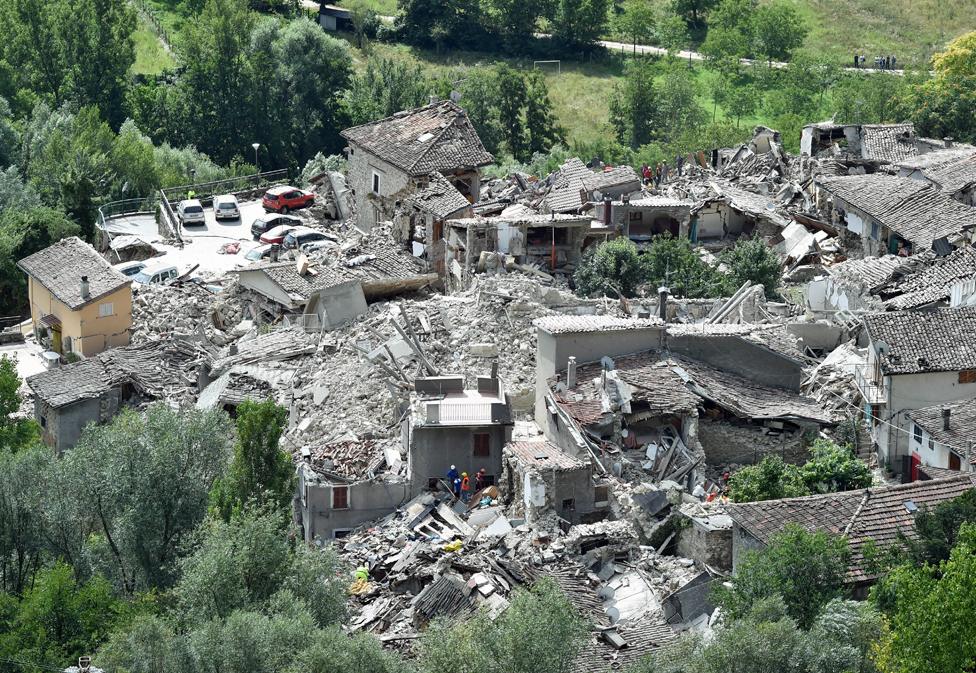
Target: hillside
x=912, y=30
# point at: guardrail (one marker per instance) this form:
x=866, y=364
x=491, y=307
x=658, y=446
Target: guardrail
x=873, y=392
x=123, y=208
x=205, y=191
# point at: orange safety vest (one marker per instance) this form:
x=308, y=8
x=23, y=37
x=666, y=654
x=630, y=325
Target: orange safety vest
x=465, y=484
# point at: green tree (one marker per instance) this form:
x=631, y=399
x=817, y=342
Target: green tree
x=753, y=260
x=15, y=433
x=778, y=30
x=540, y=632
x=438, y=23
x=365, y=23
x=386, y=86
x=930, y=626
x=832, y=468
x=807, y=570
x=24, y=231
x=248, y=565
x=672, y=33
x=23, y=480
x=632, y=104
x=611, y=268
x=578, y=24
x=636, y=22
x=693, y=11
x=260, y=473
x=770, y=479
x=937, y=528
x=58, y=619
x=671, y=262
x=511, y=101
x=140, y=486
x=77, y=50
x=730, y=33
x=479, y=95
x=514, y=21
x=544, y=131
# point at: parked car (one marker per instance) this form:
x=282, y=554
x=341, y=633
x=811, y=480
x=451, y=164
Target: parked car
x=190, y=212
x=299, y=237
x=130, y=268
x=277, y=234
x=259, y=253
x=263, y=224
x=155, y=275
x=226, y=207
x=282, y=199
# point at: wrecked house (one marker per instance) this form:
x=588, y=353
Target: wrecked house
x=449, y=425
x=945, y=281
x=942, y=436
x=342, y=485
x=320, y=300
x=870, y=145
x=387, y=155
x=574, y=186
x=550, y=241
x=915, y=359
x=951, y=169
x=79, y=304
x=875, y=517
x=543, y=478
x=852, y=285
x=94, y=390
x=643, y=218
x=730, y=212
x=424, y=213
x=892, y=215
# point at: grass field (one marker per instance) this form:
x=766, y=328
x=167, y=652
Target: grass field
x=152, y=57
x=580, y=91
x=912, y=30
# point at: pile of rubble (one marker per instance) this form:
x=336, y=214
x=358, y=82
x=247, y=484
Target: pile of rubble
x=186, y=309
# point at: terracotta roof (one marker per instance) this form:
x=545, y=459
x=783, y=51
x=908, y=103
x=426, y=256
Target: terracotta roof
x=439, y=197
x=879, y=514
x=566, y=193
x=939, y=340
x=543, y=454
x=285, y=275
x=956, y=175
x=915, y=210
x=774, y=337
x=888, y=142
x=871, y=272
x=962, y=425
x=932, y=283
x=651, y=378
x=578, y=324
x=59, y=268
x=436, y=137
x=348, y=458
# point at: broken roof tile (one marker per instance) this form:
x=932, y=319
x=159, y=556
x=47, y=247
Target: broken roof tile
x=60, y=266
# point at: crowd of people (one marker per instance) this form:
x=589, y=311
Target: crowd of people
x=658, y=175
x=880, y=62
x=461, y=484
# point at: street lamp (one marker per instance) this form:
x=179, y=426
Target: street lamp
x=255, y=146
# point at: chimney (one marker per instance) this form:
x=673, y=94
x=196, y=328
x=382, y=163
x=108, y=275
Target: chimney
x=662, y=302
x=625, y=198
x=946, y=413
x=274, y=252
x=85, y=287
x=571, y=373
x=607, y=210
x=494, y=370
x=947, y=141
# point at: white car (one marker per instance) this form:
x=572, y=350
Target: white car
x=155, y=275
x=226, y=207
x=129, y=268
x=191, y=212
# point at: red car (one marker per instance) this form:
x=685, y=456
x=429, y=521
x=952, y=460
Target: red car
x=282, y=199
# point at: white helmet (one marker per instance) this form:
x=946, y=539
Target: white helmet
x=453, y=468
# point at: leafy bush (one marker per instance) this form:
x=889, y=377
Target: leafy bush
x=771, y=479
x=753, y=260
x=610, y=268
x=834, y=468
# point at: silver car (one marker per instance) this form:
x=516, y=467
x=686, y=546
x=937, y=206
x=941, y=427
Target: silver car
x=226, y=207
x=190, y=212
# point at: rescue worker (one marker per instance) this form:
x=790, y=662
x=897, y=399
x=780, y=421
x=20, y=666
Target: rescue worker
x=361, y=574
x=479, y=480
x=465, y=487
x=452, y=478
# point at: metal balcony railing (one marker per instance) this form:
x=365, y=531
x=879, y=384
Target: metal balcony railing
x=873, y=391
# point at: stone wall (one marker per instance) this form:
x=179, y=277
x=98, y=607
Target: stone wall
x=727, y=443
x=360, y=178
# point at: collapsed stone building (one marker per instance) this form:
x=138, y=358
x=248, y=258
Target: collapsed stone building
x=437, y=328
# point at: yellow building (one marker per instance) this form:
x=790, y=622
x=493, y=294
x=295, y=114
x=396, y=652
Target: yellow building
x=79, y=303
